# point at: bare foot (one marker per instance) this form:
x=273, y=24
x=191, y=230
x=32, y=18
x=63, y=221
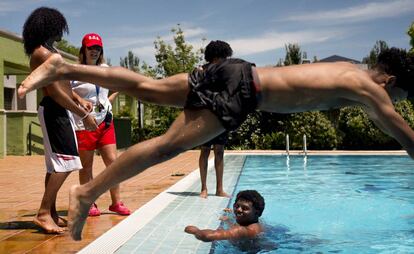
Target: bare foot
x=203, y=194
x=222, y=194
x=42, y=75
x=47, y=224
x=61, y=222
x=77, y=213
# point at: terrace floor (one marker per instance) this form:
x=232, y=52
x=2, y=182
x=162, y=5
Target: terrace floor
x=21, y=188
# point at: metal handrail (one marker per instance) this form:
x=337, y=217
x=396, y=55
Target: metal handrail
x=305, y=148
x=29, y=152
x=287, y=144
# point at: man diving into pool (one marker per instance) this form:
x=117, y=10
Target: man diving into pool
x=220, y=97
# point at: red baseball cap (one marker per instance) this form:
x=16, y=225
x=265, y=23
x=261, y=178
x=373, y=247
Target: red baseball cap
x=92, y=39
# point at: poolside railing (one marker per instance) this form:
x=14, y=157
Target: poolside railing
x=305, y=148
x=287, y=144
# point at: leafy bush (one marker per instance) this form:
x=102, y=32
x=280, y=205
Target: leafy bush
x=360, y=132
x=243, y=138
x=319, y=131
x=268, y=131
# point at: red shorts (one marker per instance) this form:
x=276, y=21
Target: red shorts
x=92, y=140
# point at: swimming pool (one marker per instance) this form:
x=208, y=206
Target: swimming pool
x=333, y=204
x=324, y=204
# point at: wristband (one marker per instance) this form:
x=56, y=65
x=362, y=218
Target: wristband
x=85, y=116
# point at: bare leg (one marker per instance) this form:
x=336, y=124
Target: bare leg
x=219, y=165
x=44, y=217
x=191, y=128
x=170, y=91
x=108, y=154
x=58, y=221
x=203, y=165
x=85, y=174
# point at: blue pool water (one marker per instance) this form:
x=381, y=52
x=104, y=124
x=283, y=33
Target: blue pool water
x=331, y=204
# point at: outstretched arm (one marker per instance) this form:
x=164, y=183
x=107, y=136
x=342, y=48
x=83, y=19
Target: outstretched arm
x=112, y=97
x=381, y=110
x=234, y=233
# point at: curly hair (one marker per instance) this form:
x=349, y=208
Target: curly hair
x=217, y=49
x=254, y=197
x=399, y=63
x=41, y=25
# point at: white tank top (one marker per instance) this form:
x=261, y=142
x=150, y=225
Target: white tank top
x=89, y=92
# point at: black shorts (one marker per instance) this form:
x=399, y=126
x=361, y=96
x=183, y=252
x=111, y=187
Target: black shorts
x=226, y=88
x=219, y=140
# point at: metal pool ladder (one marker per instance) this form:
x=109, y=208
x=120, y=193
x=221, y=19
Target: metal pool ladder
x=305, y=148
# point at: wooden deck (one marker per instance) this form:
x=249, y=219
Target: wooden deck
x=21, y=188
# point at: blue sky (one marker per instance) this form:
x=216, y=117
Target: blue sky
x=257, y=30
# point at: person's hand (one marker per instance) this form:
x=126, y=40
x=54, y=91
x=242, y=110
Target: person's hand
x=191, y=229
x=227, y=210
x=85, y=104
x=90, y=123
x=224, y=218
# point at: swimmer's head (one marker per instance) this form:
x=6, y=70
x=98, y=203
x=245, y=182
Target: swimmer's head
x=216, y=50
x=248, y=207
x=42, y=25
x=399, y=65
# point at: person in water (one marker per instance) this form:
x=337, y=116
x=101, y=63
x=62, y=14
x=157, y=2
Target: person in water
x=247, y=208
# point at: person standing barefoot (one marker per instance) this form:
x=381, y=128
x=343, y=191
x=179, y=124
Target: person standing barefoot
x=42, y=28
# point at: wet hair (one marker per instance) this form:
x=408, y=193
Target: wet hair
x=41, y=25
x=399, y=63
x=217, y=49
x=254, y=197
x=82, y=56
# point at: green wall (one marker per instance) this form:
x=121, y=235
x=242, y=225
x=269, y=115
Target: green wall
x=23, y=127
x=13, y=61
x=20, y=132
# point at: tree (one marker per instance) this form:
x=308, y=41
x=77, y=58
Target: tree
x=410, y=33
x=293, y=54
x=68, y=48
x=372, y=58
x=130, y=62
x=178, y=58
x=171, y=59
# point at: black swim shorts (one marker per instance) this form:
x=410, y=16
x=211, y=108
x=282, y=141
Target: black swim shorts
x=226, y=88
x=219, y=140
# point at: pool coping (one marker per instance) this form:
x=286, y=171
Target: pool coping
x=117, y=236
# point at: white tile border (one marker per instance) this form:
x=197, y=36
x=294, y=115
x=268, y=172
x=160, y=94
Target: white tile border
x=114, y=238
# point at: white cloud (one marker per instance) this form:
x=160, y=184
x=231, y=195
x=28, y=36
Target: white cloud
x=271, y=41
x=127, y=41
x=135, y=38
x=241, y=46
x=358, y=13
x=145, y=54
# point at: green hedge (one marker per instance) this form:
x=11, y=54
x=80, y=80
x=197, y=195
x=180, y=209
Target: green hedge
x=348, y=128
